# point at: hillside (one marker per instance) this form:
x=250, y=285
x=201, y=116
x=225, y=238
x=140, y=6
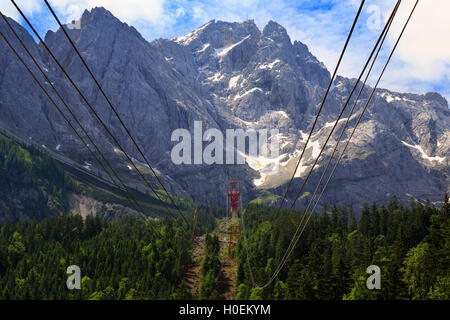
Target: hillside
x=34, y=185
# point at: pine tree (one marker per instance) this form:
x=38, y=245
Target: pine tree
x=364, y=221
x=353, y=225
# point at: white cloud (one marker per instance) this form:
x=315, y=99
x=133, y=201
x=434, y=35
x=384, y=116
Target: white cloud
x=423, y=55
x=132, y=10
x=425, y=48
x=27, y=6
x=127, y=11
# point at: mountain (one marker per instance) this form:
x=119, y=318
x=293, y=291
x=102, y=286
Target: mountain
x=229, y=76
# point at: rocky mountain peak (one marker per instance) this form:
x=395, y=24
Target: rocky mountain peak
x=95, y=21
x=434, y=96
x=276, y=32
x=98, y=15
x=219, y=34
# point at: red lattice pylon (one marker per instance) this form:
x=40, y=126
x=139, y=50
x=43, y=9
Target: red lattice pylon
x=235, y=230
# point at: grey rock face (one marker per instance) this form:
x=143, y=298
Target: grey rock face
x=227, y=75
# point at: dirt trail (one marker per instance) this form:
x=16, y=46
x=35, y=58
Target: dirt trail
x=194, y=275
x=228, y=274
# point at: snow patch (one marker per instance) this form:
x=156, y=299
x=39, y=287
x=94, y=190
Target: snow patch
x=340, y=84
x=266, y=167
x=233, y=81
x=282, y=113
x=216, y=77
x=204, y=47
x=304, y=136
x=282, y=140
x=331, y=124
x=221, y=52
x=237, y=97
x=87, y=165
x=191, y=36
x=252, y=124
x=389, y=98
x=276, y=172
x=269, y=66
x=424, y=155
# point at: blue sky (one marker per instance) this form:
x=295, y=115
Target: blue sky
x=421, y=64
